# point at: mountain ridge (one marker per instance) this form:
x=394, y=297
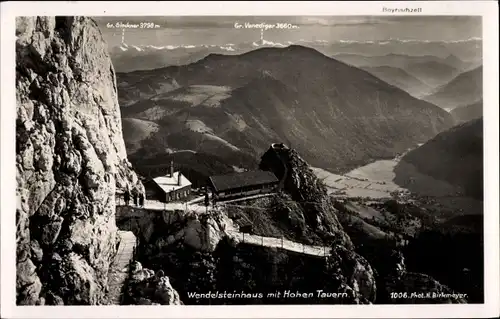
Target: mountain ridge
x=128, y=57
x=464, y=89
x=432, y=72
x=318, y=101
x=468, y=112
x=454, y=155
x=400, y=78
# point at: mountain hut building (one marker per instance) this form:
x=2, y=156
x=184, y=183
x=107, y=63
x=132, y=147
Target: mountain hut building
x=243, y=184
x=169, y=188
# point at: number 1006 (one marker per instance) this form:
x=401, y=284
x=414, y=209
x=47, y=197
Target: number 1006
x=395, y=295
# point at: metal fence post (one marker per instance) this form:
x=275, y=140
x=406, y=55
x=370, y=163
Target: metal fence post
x=262, y=240
x=282, y=246
x=303, y=248
x=243, y=237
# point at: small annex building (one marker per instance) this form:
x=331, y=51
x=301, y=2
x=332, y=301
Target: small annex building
x=242, y=184
x=173, y=186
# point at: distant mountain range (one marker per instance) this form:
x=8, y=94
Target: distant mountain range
x=447, y=83
x=433, y=73
x=463, y=90
x=401, y=79
x=418, y=67
x=400, y=60
x=418, y=75
x=128, y=57
x=231, y=107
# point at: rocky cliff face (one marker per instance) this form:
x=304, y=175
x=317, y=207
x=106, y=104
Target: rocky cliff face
x=298, y=180
x=157, y=230
x=351, y=272
x=71, y=161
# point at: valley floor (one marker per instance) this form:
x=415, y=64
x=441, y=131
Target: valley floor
x=380, y=180
x=385, y=179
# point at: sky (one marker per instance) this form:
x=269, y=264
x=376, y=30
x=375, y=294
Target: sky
x=187, y=30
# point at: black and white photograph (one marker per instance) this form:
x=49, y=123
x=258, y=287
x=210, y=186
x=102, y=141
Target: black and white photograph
x=229, y=160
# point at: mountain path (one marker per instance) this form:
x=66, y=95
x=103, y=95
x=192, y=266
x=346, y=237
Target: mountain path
x=273, y=242
x=118, y=272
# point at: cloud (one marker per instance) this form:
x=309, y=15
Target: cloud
x=203, y=22
x=346, y=27
x=172, y=22
x=343, y=20
x=435, y=19
x=200, y=22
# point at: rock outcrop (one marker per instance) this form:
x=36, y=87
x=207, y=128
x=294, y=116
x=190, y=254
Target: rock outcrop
x=310, y=194
x=357, y=274
x=149, y=288
x=353, y=274
x=202, y=232
x=71, y=161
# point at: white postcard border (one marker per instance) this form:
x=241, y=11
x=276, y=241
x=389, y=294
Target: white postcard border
x=487, y=9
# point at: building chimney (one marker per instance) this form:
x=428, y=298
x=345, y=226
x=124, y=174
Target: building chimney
x=171, y=168
x=179, y=178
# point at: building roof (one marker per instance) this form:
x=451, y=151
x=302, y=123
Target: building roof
x=169, y=184
x=237, y=180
